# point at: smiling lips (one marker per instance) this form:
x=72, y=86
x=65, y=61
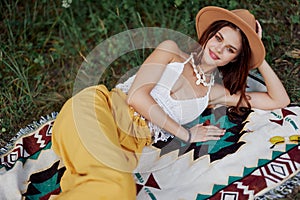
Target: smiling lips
x=213, y=55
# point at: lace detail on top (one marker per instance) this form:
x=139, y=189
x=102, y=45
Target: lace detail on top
x=124, y=87
x=181, y=111
x=158, y=133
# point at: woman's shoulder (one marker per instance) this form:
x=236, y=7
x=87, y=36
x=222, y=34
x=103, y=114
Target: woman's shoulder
x=168, y=45
x=172, y=48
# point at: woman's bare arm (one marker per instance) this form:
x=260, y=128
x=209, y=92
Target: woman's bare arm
x=147, y=77
x=140, y=99
x=275, y=97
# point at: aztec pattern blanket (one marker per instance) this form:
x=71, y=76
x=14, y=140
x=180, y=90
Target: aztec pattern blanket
x=243, y=164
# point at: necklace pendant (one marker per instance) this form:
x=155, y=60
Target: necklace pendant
x=201, y=78
x=198, y=82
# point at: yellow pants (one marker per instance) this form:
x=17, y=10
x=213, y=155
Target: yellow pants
x=99, y=139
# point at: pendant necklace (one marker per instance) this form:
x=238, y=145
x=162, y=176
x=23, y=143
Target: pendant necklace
x=201, y=76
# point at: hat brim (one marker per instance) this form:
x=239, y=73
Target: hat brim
x=211, y=14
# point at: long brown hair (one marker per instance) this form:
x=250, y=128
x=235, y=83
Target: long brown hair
x=234, y=73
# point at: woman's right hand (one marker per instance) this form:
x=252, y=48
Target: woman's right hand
x=202, y=133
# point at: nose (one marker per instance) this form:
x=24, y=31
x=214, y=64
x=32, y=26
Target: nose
x=219, y=47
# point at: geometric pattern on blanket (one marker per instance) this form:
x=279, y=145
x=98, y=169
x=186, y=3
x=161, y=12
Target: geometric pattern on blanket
x=28, y=147
x=222, y=117
x=37, y=181
x=270, y=172
x=256, y=181
x=241, y=165
x=31, y=170
x=247, y=172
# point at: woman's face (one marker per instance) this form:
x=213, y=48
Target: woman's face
x=223, y=47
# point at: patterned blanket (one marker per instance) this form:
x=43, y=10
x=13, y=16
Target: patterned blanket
x=243, y=164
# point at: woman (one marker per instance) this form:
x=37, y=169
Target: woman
x=99, y=133
x=230, y=43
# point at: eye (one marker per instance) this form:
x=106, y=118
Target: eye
x=230, y=50
x=218, y=38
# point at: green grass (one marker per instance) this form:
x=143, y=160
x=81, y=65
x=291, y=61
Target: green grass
x=43, y=44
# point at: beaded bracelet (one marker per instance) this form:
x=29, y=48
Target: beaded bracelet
x=190, y=136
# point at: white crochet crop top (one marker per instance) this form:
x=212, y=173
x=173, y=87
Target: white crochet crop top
x=181, y=111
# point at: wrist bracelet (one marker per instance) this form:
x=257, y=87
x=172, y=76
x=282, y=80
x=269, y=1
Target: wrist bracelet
x=190, y=136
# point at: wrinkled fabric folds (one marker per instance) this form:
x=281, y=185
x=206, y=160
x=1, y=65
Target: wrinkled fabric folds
x=99, y=139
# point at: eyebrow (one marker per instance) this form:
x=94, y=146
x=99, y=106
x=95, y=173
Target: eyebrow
x=223, y=39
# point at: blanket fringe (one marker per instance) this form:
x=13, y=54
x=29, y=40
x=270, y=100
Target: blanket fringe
x=284, y=190
x=27, y=130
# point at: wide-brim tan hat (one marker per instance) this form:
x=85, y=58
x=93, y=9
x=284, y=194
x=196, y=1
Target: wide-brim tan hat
x=243, y=19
